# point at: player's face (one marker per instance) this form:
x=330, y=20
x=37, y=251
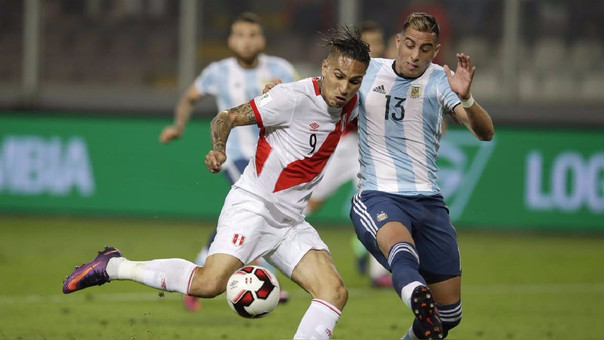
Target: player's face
x=246, y=41
x=375, y=39
x=342, y=77
x=415, y=52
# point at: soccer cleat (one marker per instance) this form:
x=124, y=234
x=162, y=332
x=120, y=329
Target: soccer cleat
x=91, y=273
x=191, y=303
x=425, y=311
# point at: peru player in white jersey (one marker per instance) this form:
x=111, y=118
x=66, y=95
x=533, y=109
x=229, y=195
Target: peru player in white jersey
x=399, y=214
x=233, y=81
x=294, y=149
x=300, y=125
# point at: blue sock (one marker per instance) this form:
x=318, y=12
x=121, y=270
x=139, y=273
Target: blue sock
x=450, y=315
x=404, y=264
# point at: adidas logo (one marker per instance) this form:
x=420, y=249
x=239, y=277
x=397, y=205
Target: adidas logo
x=379, y=89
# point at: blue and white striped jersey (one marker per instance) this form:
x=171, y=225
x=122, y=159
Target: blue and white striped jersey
x=400, y=122
x=233, y=85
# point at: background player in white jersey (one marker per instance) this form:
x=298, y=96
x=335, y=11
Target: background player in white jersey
x=232, y=81
x=300, y=126
x=399, y=213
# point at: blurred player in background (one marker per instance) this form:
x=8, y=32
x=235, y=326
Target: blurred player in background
x=399, y=213
x=300, y=126
x=344, y=167
x=232, y=81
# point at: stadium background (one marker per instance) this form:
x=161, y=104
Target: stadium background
x=86, y=86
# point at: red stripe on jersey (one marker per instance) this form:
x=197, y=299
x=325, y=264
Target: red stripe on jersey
x=305, y=170
x=352, y=126
x=256, y=113
x=263, y=149
x=315, y=82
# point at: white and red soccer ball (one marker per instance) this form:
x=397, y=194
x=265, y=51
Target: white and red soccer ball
x=252, y=291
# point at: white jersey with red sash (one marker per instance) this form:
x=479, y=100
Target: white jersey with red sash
x=298, y=134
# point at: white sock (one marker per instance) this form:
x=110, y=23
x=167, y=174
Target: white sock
x=172, y=275
x=407, y=291
x=376, y=270
x=318, y=321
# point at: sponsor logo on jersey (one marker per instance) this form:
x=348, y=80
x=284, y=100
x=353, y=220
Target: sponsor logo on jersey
x=415, y=91
x=382, y=216
x=379, y=89
x=265, y=99
x=238, y=239
x=314, y=127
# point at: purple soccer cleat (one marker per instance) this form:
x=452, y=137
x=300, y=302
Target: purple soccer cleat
x=92, y=273
x=424, y=308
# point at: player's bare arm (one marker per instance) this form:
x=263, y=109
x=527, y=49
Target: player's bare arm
x=182, y=113
x=220, y=127
x=471, y=114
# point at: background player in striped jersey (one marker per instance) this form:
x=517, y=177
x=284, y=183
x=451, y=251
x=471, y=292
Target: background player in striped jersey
x=232, y=81
x=300, y=126
x=399, y=213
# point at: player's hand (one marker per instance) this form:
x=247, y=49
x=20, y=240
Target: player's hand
x=461, y=81
x=214, y=160
x=270, y=85
x=169, y=133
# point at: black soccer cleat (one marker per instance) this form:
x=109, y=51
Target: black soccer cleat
x=425, y=311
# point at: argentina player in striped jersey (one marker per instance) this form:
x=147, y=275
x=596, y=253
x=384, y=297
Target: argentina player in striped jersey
x=399, y=213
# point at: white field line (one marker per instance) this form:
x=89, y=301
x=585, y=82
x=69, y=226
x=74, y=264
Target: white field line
x=508, y=289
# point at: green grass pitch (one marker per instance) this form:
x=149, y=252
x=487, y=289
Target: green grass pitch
x=515, y=286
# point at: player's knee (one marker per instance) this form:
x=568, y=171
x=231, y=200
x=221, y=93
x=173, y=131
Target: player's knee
x=340, y=296
x=206, y=287
x=336, y=294
x=450, y=315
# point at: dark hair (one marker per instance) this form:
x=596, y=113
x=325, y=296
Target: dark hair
x=347, y=41
x=422, y=22
x=370, y=26
x=248, y=17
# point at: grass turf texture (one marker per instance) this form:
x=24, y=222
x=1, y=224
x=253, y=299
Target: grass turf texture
x=515, y=286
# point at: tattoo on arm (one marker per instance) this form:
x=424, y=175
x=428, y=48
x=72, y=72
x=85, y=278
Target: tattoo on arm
x=226, y=120
x=243, y=115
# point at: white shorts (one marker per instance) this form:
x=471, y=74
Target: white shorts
x=247, y=230
x=343, y=167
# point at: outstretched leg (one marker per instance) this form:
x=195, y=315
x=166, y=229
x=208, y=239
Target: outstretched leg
x=172, y=275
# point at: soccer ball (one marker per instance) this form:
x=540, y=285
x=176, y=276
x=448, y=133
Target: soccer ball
x=252, y=291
